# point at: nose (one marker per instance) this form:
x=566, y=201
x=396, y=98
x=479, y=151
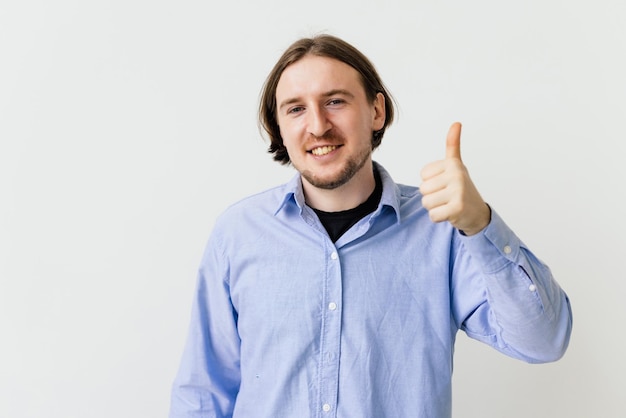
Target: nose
x=317, y=122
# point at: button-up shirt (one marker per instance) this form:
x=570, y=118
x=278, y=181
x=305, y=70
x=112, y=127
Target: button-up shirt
x=287, y=324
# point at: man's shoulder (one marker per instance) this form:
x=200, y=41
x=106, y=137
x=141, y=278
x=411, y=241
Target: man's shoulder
x=400, y=190
x=408, y=191
x=264, y=200
x=249, y=217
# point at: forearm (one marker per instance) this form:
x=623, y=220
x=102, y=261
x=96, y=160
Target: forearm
x=528, y=313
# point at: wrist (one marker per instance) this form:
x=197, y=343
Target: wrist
x=481, y=222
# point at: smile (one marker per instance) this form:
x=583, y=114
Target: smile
x=323, y=150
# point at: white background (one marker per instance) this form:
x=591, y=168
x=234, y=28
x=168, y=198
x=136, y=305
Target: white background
x=126, y=126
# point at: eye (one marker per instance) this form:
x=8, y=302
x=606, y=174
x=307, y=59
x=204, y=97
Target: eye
x=295, y=110
x=335, y=102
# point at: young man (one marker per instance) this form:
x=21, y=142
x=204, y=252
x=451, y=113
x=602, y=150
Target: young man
x=340, y=293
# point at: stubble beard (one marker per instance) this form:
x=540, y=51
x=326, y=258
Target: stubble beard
x=352, y=166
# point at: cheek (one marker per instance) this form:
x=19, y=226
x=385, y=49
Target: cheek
x=288, y=139
x=284, y=133
x=288, y=131
x=281, y=129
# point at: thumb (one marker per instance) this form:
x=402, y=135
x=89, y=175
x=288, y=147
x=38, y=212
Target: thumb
x=453, y=141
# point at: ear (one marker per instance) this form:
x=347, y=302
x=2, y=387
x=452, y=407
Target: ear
x=378, y=114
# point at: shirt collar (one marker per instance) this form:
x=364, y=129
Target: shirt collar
x=293, y=193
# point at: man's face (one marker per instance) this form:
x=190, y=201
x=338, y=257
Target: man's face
x=326, y=120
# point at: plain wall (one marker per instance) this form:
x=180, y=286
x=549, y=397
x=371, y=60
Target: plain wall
x=126, y=126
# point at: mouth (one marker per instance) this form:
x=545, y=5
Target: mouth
x=319, y=151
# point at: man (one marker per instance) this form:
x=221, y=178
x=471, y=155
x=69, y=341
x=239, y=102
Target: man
x=340, y=293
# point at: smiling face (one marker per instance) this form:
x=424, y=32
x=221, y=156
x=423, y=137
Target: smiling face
x=327, y=122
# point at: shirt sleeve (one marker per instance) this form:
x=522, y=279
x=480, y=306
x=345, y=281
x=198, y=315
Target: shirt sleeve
x=208, y=378
x=509, y=298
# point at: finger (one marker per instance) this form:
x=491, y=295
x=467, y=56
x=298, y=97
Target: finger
x=432, y=170
x=453, y=141
x=436, y=199
x=439, y=213
x=433, y=185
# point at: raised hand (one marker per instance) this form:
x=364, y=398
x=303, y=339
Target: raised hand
x=449, y=194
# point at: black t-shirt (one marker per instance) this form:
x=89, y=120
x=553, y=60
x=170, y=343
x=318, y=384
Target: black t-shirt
x=337, y=223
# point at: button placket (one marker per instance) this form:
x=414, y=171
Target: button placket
x=331, y=335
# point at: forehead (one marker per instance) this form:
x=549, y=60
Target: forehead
x=317, y=75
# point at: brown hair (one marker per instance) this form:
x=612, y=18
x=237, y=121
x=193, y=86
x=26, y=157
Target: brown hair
x=324, y=46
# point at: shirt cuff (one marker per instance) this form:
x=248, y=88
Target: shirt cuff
x=495, y=246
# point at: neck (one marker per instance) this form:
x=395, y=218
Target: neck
x=344, y=197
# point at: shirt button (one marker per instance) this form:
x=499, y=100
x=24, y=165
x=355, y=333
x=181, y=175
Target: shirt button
x=532, y=287
x=325, y=407
x=333, y=256
x=332, y=306
x=507, y=249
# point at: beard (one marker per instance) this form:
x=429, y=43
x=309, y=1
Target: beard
x=352, y=166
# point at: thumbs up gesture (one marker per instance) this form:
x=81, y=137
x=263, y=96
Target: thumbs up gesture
x=449, y=194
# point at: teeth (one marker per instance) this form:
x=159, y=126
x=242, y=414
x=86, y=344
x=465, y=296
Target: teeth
x=323, y=150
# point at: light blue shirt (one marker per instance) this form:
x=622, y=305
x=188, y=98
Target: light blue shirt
x=286, y=324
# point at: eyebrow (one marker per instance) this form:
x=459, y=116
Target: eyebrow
x=334, y=92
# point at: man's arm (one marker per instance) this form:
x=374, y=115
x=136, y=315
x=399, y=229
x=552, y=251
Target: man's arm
x=502, y=294
x=208, y=379
x=505, y=296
